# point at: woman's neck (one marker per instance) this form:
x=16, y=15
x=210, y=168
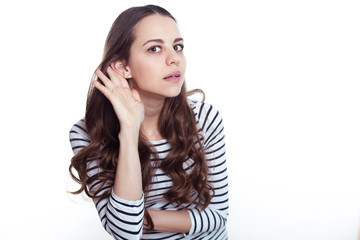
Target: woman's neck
x=150, y=125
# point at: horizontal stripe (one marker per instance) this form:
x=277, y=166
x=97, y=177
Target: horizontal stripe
x=79, y=139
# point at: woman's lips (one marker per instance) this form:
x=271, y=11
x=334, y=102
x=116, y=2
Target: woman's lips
x=173, y=77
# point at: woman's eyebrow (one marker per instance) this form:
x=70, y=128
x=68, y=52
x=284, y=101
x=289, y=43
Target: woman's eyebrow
x=178, y=40
x=162, y=41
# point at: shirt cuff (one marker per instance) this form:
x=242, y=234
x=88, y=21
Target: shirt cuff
x=192, y=219
x=128, y=202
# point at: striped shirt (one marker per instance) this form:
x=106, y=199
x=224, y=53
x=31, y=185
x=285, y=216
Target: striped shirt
x=123, y=219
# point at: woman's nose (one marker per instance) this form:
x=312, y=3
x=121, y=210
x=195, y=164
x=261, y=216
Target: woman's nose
x=173, y=58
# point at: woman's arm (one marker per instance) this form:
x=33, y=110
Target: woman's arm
x=128, y=179
x=122, y=213
x=130, y=112
x=170, y=221
x=121, y=218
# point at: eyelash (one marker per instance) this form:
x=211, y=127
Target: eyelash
x=179, y=45
x=151, y=49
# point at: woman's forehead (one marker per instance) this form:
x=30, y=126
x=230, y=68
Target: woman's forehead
x=156, y=27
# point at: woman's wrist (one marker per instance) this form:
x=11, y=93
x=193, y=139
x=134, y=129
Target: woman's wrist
x=127, y=134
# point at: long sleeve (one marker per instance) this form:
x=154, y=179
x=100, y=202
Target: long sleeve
x=121, y=218
x=214, y=217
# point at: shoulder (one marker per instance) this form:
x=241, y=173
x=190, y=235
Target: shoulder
x=78, y=136
x=200, y=108
x=205, y=114
x=209, y=122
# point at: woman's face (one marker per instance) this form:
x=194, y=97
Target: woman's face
x=157, y=63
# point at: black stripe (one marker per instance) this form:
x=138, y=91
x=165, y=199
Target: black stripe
x=102, y=207
x=219, y=133
x=159, y=174
x=79, y=139
x=217, y=157
x=218, y=165
x=215, y=150
x=164, y=207
x=207, y=216
x=194, y=221
x=223, y=209
x=206, y=118
x=214, y=118
x=209, y=137
x=164, y=151
x=94, y=184
x=101, y=200
x=123, y=230
x=220, y=235
x=156, y=159
x=220, y=180
x=127, y=205
x=122, y=220
x=80, y=127
x=217, y=173
x=222, y=222
x=212, y=145
x=92, y=168
x=104, y=216
x=200, y=111
x=160, y=144
x=214, y=219
x=221, y=195
x=224, y=186
x=79, y=146
x=201, y=222
x=106, y=188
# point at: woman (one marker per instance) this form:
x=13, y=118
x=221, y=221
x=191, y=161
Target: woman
x=152, y=160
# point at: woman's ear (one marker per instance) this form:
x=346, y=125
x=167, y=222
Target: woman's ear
x=120, y=68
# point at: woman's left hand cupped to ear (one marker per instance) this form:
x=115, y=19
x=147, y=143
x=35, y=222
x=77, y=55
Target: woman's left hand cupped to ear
x=126, y=102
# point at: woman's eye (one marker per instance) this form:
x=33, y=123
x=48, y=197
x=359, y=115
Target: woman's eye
x=179, y=47
x=154, y=49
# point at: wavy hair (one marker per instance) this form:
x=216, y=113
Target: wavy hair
x=177, y=125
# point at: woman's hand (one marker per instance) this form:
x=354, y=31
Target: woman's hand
x=126, y=102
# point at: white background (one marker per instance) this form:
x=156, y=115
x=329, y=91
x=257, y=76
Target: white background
x=284, y=75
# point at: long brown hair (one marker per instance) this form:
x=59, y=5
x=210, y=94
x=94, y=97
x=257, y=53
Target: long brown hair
x=177, y=125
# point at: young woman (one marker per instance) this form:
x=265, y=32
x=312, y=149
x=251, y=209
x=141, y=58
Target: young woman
x=152, y=160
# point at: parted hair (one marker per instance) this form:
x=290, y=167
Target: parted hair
x=177, y=124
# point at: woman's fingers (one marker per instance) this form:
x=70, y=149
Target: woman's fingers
x=106, y=91
x=109, y=84
x=126, y=102
x=104, y=79
x=116, y=78
x=136, y=95
x=115, y=84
